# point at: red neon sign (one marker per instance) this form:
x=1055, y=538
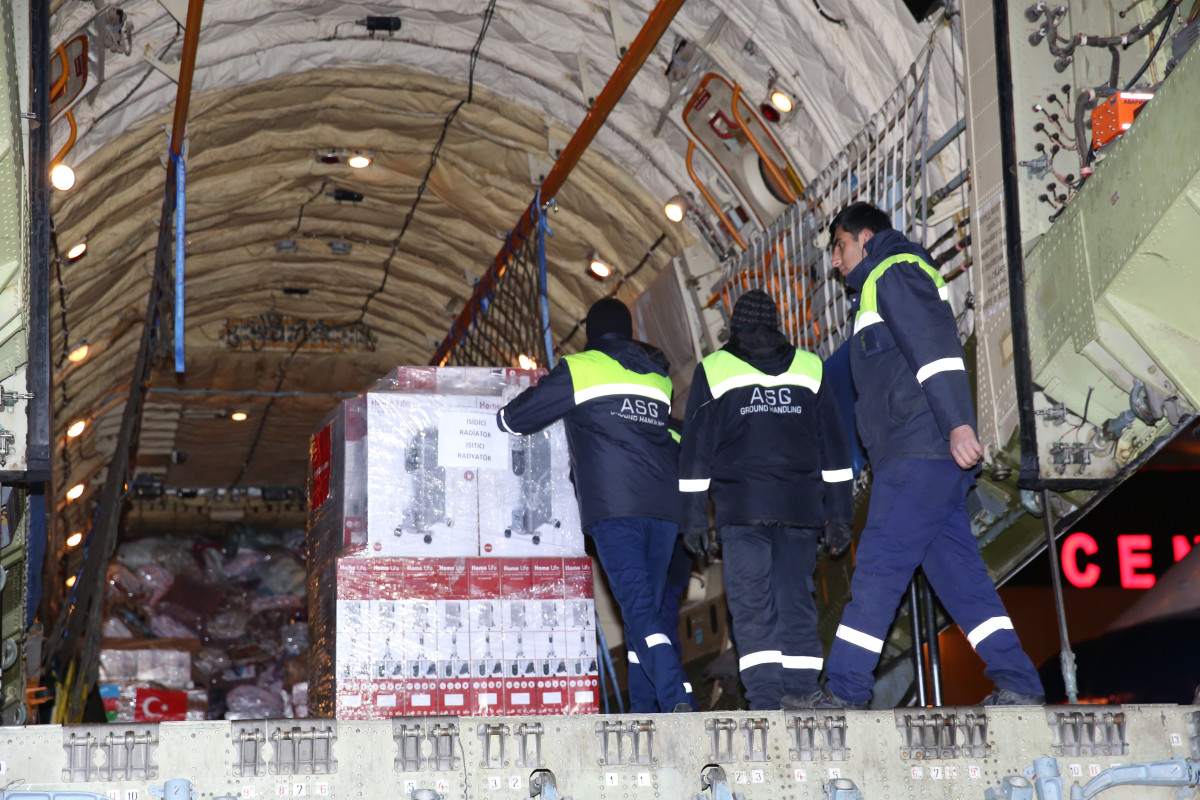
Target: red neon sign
x=1133, y=557
x=1071, y=546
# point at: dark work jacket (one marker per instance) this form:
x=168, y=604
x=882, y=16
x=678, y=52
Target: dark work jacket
x=615, y=401
x=905, y=356
x=762, y=434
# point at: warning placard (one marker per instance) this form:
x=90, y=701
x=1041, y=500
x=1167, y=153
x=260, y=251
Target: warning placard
x=471, y=439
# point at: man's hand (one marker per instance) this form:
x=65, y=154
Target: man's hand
x=696, y=543
x=965, y=447
x=836, y=538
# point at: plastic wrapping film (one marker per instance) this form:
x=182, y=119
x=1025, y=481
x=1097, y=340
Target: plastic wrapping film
x=170, y=668
x=417, y=467
x=464, y=636
x=662, y=315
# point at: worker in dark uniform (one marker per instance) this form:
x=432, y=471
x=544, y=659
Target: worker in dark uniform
x=916, y=418
x=642, y=698
x=615, y=399
x=763, y=434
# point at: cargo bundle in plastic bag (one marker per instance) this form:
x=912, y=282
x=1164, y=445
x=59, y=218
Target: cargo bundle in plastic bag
x=224, y=620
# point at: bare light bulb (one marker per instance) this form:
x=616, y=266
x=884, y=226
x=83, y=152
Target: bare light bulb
x=599, y=269
x=62, y=177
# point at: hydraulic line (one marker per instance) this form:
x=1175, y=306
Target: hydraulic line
x=1064, y=47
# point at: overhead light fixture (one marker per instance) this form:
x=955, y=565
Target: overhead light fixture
x=76, y=428
x=78, y=353
x=285, y=245
x=70, y=581
x=598, y=268
x=388, y=25
x=676, y=208
x=526, y=362
x=781, y=101
x=75, y=492
x=77, y=250
x=239, y=416
x=357, y=159
x=778, y=101
x=339, y=247
x=346, y=195
x=74, y=539
x=62, y=177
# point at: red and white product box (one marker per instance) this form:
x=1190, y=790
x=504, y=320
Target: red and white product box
x=463, y=636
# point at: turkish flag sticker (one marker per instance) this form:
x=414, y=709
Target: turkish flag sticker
x=159, y=705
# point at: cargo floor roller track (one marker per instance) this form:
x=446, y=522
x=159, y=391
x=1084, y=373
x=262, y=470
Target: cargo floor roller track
x=952, y=752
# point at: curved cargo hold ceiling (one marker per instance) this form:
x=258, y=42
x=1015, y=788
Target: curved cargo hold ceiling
x=279, y=83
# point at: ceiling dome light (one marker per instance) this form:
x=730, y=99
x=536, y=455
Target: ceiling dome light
x=597, y=268
x=526, y=362
x=70, y=581
x=63, y=177
x=77, y=251
x=75, y=492
x=239, y=416
x=359, y=161
x=780, y=100
x=76, y=428
x=339, y=247
x=78, y=353
x=676, y=208
x=74, y=539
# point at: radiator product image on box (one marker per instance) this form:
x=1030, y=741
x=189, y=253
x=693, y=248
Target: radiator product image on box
x=418, y=466
x=531, y=464
x=429, y=488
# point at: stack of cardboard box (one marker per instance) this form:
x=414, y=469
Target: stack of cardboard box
x=447, y=571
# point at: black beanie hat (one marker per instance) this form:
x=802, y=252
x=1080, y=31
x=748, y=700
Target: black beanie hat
x=754, y=308
x=608, y=315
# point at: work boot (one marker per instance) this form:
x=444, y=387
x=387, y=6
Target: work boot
x=1007, y=697
x=821, y=697
x=682, y=708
